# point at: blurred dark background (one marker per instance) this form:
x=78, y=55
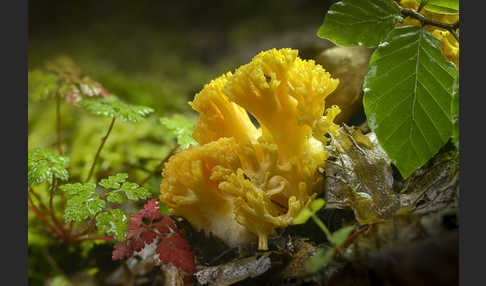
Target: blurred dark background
x=162, y=52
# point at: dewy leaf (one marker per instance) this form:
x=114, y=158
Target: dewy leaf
x=359, y=22
x=182, y=128
x=407, y=97
x=307, y=212
x=111, y=106
x=113, y=222
x=43, y=164
x=134, y=192
x=83, y=201
x=441, y=6
x=115, y=197
x=113, y=182
x=339, y=236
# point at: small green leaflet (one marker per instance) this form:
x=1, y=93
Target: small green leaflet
x=113, y=222
x=407, y=97
x=320, y=259
x=134, y=192
x=113, y=182
x=42, y=85
x=441, y=6
x=118, y=186
x=111, y=106
x=324, y=255
x=307, y=212
x=359, y=22
x=43, y=164
x=83, y=201
x=182, y=128
x=341, y=235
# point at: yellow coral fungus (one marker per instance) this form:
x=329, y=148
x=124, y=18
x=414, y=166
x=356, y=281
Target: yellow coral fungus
x=244, y=182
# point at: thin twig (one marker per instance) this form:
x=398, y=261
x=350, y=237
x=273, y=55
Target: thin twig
x=159, y=167
x=426, y=21
x=83, y=229
x=103, y=140
x=51, y=205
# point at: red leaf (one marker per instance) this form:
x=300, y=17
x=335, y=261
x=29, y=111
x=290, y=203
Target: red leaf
x=163, y=225
x=175, y=250
x=151, y=209
x=148, y=236
x=122, y=250
x=137, y=244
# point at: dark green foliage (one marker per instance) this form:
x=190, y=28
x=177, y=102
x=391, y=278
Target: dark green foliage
x=43, y=165
x=359, y=22
x=111, y=106
x=407, y=97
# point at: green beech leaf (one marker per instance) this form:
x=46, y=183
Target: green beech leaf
x=407, y=97
x=441, y=6
x=43, y=164
x=307, y=212
x=455, y=111
x=339, y=236
x=113, y=222
x=181, y=127
x=359, y=22
x=111, y=106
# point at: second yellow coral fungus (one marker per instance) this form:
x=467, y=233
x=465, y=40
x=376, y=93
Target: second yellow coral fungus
x=243, y=182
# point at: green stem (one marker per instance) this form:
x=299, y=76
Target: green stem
x=322, y=226
x=103, y=140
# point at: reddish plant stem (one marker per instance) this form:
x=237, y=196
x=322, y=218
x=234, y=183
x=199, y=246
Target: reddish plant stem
x=103, y=140
x=37, y=197
x=83, y=229
x=96, y=238
x=43, y=219
x=51, y=205
x=43, y=208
